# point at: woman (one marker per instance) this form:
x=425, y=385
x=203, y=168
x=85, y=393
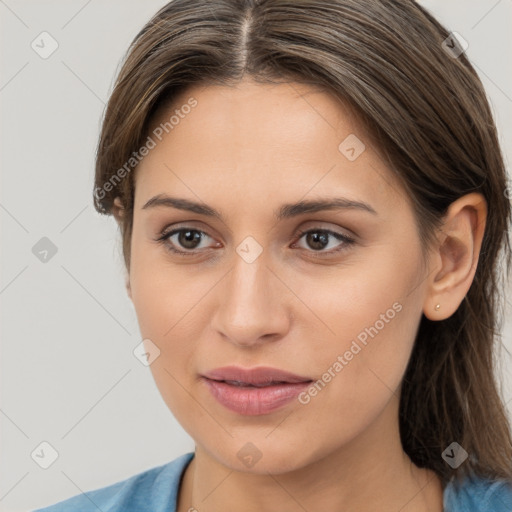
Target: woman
x=311, y=201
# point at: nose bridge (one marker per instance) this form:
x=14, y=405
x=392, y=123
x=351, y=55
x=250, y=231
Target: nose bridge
x=250, y=307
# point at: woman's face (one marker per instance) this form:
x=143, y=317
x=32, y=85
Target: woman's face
x=253, y=291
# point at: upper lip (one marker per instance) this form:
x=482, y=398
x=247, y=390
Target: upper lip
x=255, y=376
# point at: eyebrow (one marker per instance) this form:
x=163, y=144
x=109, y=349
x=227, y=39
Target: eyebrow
x=286, y=211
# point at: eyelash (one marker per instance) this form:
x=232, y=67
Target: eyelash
x=347, y=241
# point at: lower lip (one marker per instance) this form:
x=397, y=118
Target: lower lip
x=252, y=401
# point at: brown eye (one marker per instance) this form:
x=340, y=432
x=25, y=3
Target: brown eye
x=184, y=238
x=319, y=239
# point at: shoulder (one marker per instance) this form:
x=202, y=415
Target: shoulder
x=477, y=494
x=153, y=489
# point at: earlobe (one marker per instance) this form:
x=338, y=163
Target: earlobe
x=455, y=259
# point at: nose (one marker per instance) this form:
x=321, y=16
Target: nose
x=253, y=304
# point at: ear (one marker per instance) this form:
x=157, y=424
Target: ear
x=118, y=212
x=454, y=260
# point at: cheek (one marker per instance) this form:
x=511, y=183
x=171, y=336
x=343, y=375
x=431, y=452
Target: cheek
x=169, y=304
x=358, y=377
x=370, y=315
x=162, y=318
x=164, y=295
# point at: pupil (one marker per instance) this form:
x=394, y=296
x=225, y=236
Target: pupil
x=188, y=238
x=314, y=238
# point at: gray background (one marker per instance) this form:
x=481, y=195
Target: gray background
x=68, y=375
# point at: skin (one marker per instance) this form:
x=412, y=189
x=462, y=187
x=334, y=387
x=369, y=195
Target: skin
x=245, y=151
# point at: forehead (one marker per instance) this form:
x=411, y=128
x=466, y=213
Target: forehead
x=257, y=140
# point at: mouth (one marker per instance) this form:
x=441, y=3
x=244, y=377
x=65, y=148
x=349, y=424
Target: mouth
x=255, y=391
x=247, y=385
x=260, y=376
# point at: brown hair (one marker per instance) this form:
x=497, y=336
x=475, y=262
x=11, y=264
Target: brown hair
x=428, y=113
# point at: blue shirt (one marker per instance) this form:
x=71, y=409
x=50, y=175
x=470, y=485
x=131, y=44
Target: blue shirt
x=156, y=490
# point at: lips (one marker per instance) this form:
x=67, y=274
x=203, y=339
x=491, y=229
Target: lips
x=254, y=391
x=258, y=377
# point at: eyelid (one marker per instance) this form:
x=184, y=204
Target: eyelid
x=330, y=227
x=182, y=226
x=314, y=225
